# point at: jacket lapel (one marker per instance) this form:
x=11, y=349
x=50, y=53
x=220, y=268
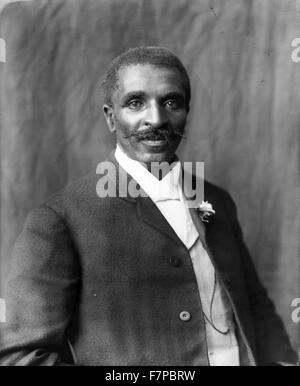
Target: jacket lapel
x=198, y=224
x=220, y=244
x=211, y=234
x=215, y=235
x=149, y=213
x=146, y=209
x=210, y=238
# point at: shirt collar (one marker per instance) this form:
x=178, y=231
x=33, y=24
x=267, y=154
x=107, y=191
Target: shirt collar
x=168, y=188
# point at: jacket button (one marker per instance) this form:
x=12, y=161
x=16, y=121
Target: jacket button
x=175, y=262
x=185, y=316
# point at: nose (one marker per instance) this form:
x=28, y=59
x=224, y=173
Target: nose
x=156, y=116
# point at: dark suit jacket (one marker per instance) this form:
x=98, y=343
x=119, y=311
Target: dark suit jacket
x=96, y=278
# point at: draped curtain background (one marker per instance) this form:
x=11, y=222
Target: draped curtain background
x=243, y=123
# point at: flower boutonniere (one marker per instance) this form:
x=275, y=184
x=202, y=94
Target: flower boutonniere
x=205, y=210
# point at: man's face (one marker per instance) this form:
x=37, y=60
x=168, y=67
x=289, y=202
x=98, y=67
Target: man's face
x=149, y=112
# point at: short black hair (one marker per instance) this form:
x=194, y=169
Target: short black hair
x=157, y=56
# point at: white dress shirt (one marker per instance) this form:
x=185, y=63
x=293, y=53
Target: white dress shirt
x=168, y=196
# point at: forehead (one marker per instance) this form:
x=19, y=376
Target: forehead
x=150, y=79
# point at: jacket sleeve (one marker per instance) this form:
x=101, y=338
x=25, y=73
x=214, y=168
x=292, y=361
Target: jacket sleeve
x=271, y=338
x=40, y=294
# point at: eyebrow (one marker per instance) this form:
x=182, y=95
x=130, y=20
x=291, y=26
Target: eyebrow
x=133, y=94
x=142, y=94
x=174, y=95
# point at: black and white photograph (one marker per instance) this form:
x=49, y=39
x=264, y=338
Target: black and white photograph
x=150, y=185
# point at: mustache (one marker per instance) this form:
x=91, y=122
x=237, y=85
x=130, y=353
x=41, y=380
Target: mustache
x=155, y=133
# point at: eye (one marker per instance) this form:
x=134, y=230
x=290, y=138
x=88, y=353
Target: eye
x=135, y=104
x=173, y=104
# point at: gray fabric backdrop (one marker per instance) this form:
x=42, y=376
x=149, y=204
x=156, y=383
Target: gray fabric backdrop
x=243, y=124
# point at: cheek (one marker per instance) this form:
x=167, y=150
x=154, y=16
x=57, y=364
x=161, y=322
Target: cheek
x=126, y=122
x=179, y=121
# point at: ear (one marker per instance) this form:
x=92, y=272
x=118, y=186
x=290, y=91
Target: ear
x=109, y=116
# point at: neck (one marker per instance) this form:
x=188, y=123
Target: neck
x=160, y=169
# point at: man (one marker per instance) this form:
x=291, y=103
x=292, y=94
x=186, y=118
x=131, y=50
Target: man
x=139, y=279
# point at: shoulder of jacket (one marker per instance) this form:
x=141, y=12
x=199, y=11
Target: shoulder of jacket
x=216, y=191
x=81, y=189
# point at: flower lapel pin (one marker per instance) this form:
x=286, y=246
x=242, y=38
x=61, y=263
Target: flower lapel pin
x=205, y=210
